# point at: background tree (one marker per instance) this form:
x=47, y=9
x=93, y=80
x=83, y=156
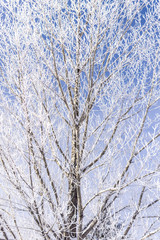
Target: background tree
x=79, y=111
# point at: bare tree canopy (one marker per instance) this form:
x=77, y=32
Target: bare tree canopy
x=79, y=119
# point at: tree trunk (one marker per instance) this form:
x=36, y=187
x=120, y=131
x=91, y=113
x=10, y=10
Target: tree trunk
x=74, y=179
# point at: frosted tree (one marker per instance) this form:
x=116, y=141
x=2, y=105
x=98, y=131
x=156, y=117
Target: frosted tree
x=79, y=119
